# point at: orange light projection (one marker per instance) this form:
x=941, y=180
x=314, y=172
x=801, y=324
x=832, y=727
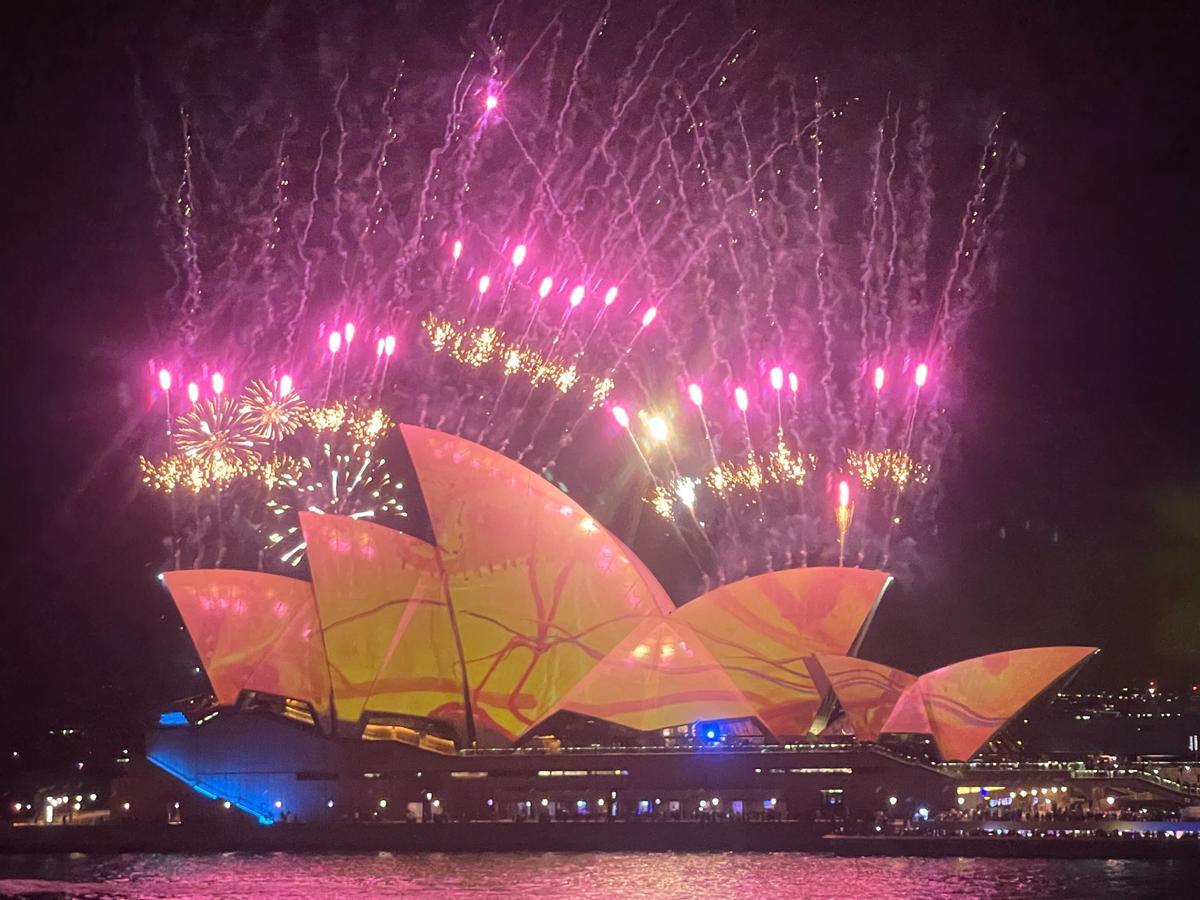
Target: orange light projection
x=867, y=691
x=540, y=590
x=385, y=620
x=660, y=676
x=761, y=628
x=253, y=632
x=966, y=703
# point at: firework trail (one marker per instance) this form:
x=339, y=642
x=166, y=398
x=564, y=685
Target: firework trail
x=582, y=215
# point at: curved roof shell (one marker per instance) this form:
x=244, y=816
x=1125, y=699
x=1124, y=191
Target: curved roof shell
x=762, y=628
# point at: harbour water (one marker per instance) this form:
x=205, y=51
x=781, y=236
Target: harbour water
x=595, y=875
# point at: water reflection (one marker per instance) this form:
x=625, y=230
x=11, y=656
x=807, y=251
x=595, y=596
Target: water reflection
x=607, y=875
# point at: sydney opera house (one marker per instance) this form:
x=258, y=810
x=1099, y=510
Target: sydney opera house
x=527, y=665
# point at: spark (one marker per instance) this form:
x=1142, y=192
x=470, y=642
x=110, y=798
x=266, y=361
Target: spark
x=365, y=426
x=485, y=345
x=781, y=466
x=164, y=379
x=922, y=375
x=217, y=433
x=877, y=467
x=272, y=416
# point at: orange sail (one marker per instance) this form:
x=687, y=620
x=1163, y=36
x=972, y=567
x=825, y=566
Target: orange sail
x=867, y=691
x=964, y=704
x=540, y=591
x=385, y=620
x=762, y=628
x=660, y=676
x=253, y=632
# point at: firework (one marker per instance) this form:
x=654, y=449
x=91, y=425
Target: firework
x=891, y=467
x=697, y=181
x=353, y=483
x=781, y=466
x=481, y=346
x=216, y=434
x=844, y=515
x=364, y=426
x=176, y=472
x=664, y=497
x=269, y=414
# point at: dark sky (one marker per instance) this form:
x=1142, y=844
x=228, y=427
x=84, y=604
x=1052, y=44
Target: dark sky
x=1081, y=376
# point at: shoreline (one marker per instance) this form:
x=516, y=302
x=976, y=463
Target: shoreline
x=510, y=837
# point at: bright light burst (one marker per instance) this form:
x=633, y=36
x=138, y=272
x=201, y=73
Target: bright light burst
x=664, y=497
x=484, y=345
x=891, y=467
x=782, y=465
x=707, y=205
x=217, y=433
x=364, y=425
x=354, y=483
x=272, y=414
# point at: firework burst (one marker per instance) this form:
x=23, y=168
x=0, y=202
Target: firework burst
x=876, y=468
x=217, y=433
x=609, y=244
x=353, y=483
x=270, y=415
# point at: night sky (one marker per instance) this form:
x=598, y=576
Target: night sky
x=1081, y=376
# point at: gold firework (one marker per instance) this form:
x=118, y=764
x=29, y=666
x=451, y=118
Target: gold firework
x=363, y=426
x=269, y=415
x=478, y=347
x=196, y=474
x=217, y=433
x=782, y=465
x=879, y=467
